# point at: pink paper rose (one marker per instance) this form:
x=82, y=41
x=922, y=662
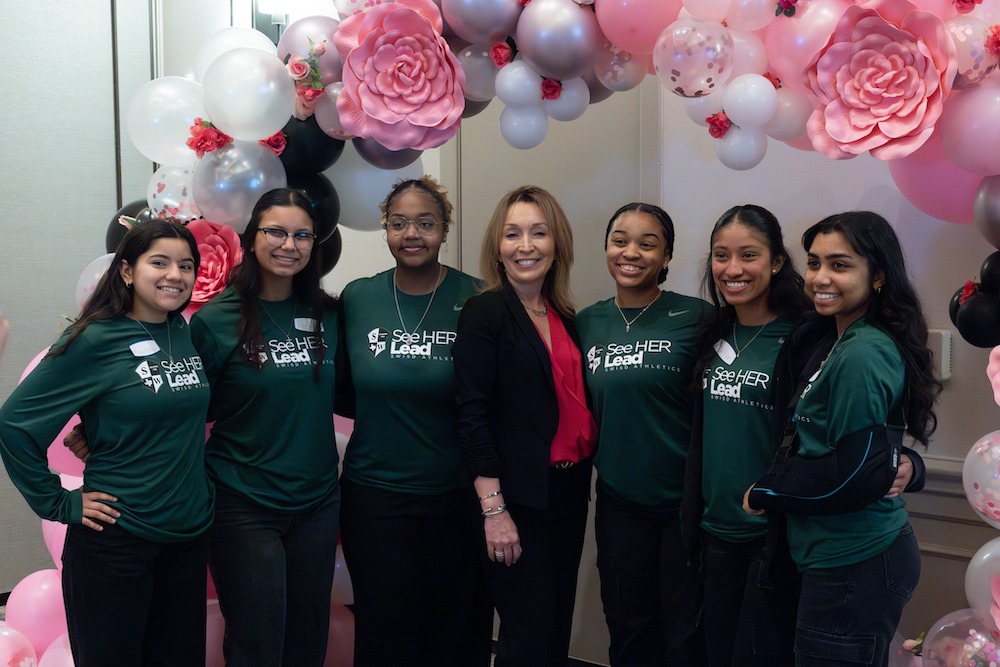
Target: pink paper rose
x=403, y=87
x=298, y=68
x=219, y=246
x=882, y=80
x=551, y=89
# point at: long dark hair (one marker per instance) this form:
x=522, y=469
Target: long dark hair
x=112, y=298
x=785, y=295
x=894, y=308
x=245, y=277
x=658, y=214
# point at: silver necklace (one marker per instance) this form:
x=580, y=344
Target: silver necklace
x=737, y=345
x=629, y=323
x=287, y=332
x=170, y=342
x=395, y=298
x=538, y=313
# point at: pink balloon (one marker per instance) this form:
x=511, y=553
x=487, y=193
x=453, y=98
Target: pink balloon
x=326, y=114
x=802, y=143
x=340, y=645
x=792, y=41
x=54, y=535
x=15, y=648
x=35, y=608
x=215, y=630
x=31, y=364
x=634, y=25
x=934, y=184
x=61, y=459
x=343, y=588
x=993, y=372
x=971, y=122
x=58, y=654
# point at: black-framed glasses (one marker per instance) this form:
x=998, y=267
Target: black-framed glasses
x=276, y=237
x=424, y=224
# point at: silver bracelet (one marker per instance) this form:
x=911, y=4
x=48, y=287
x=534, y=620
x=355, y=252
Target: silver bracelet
x=491, y=495
x=500, y=509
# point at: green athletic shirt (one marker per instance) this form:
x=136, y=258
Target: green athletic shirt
x=640, y=385
x=144, y=419
x=273, y=441
x=737, y=431
x=855, y=388
x=404, y=436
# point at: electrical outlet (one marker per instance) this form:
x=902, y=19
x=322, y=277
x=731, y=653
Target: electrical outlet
x=939, y=343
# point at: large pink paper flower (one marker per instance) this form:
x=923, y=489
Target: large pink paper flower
x=882, y=80
x=219, y=247
x=403, y=87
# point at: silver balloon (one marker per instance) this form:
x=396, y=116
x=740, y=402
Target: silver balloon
x=560, y=39
x=478, y=21
x=987, y=209
x=228, y=182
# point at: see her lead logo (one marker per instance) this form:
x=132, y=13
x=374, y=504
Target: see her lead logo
x=376, y=341
x=150, y=376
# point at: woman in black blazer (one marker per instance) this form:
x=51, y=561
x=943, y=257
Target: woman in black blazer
x=526, y=430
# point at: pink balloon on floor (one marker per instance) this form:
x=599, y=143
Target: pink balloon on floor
x=54, y=535
x=340, y=646
x=36, y=610
x=215, y=630
x=31, y=365
x=58, y=654
x=15, y=648
x=343, y=588
x=61, y=459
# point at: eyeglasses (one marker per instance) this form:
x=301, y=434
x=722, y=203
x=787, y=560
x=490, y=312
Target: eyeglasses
x=425, y=224
x=276, y=237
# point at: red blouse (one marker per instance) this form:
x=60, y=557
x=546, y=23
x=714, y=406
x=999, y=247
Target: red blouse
x=576, y=434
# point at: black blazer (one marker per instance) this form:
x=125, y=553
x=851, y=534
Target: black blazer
x=507, y=413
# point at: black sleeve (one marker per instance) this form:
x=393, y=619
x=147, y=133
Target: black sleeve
x=475, y=357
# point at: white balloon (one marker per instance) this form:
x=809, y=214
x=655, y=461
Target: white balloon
x=741, y=148
x=518, y=85
x=89, y=277
x=790, y=116
x=572, y=102
x=985, y=565
x=699, y=109
x=523, y=127
x=714, y=10
x=750, y=100
x=160, y=116
x=749, y=54
x=750, y=15
x=228, y=39
x=248, y=94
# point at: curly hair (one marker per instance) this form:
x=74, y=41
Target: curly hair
x=428, y=186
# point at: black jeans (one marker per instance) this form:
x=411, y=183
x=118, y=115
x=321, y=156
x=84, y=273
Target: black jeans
x=848, y=615
x=274, y=574
x=651, y=594
x=420, y=597
x=133, y=602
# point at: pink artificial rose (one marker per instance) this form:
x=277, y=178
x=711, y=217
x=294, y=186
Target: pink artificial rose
x=992, y=44
x=551, y=89
x=882, y=81
x=403, y=87
x=718, y=125
x=500, y=53
x=317, y=49
x=298, y=68
x=219, y=246
x=966, y=6
x=306, y=98
x=276, y=142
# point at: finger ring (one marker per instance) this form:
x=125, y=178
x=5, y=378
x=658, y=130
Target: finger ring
x=498, y=554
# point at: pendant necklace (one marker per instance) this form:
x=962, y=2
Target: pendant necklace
x=737, y=345
x=629, y=323
x=537, y=313
x=395, y=298
x=288, y=332
x=170, y=342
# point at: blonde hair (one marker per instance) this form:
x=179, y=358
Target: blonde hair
x=555, y=289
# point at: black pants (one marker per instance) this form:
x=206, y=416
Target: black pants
x=651, y=594
x=419, y=594
x=133, y=602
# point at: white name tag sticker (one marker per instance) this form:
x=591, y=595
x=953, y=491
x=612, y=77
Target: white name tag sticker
x=306, y=324
x=144, y=348
x=725, y=351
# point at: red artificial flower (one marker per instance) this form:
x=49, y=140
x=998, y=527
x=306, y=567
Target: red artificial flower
x=773, y=78
x=786, y=7
x=966, y=6
x=524, y=2
x=992, y=44
x=500, y=53
x=205, y=138
x=276, y=142
x=967, y=291
x=551, y=89
x=718, y=124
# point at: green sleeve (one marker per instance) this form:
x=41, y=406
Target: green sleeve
x=866, y=380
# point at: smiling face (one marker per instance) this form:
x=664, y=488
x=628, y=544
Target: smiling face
x=279, y=264
x=636, y=252
x=838, y=279
x=742, y=266
x=410, y=248
x=527, y=248
x=162, y=279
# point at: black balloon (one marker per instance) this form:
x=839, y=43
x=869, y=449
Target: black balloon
x=989, y=273
x=308, y=148
x=116, y=231
x=330, y=250
x=978, y=320
x=325, y=202
x=954, y=304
